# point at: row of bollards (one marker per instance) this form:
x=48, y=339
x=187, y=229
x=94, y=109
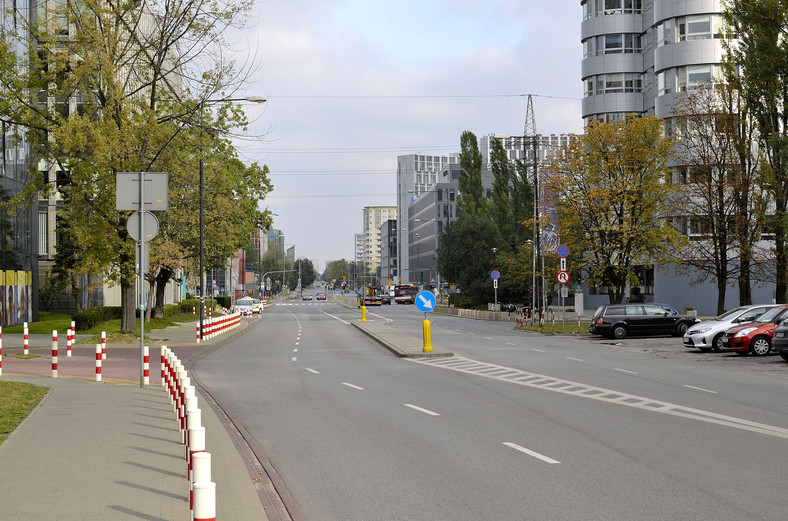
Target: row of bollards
x=202, y=491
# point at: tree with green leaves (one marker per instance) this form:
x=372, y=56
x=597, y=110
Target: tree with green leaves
x=132, y=88
x=501, y=201
x=465, y=249
x=757, y=65
x=611, y=189
x=471, y=199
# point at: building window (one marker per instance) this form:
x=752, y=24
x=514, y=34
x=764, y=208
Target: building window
x=693, y=76
x=614, y=44
x=614, y=83
x=698, y=27
x=42, y=234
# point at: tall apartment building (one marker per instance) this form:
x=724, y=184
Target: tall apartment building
x=374, y=216
x=416, y=175
x=638, y=57
x=638, y=54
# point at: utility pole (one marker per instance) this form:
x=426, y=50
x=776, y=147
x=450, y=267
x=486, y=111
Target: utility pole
x=531, y=138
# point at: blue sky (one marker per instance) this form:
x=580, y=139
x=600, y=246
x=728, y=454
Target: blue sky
x=351, y=84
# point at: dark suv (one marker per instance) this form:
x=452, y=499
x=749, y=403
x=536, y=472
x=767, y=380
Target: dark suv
x=620, y=320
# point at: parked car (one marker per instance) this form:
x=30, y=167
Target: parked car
x=245, y=306
x=259, y=305
x=755, y=337
x=618, y=321
x=708, y=334
x=780, y=340
x=306, y=297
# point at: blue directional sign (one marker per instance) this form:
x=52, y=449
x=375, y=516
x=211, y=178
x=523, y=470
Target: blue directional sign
x=425, y=301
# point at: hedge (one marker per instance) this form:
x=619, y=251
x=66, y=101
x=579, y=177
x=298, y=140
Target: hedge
x=94, y=316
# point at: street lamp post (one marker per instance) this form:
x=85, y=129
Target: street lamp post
x=418, y=259
x=252, y=99
x=495, y=286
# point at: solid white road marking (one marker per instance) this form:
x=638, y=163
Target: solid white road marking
x=575, y=359
x=538, y=350
x=420, y=409
x=295, y=350
x=312, y=371
x=624, y=370
x=294, y=359
x=531, y=453
x=510, y=344
x=334, y=317
x=488, y=338
x=353, y=386
x=700, y=389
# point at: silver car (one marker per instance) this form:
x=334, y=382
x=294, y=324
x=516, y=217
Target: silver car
x=708, y=335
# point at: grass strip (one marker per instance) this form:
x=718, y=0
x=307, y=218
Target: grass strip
x=16, y=401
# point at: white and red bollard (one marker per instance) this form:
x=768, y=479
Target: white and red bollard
x=26, y=340
x=54, y=354
x=1, y=350
x=103, y=345
x=145, y=365
x=196, y=452
x=98, y=362
x=194, y=310
x=204, y=489
x=68, y=342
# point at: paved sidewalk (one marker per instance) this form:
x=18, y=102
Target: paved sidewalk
x=110, y=450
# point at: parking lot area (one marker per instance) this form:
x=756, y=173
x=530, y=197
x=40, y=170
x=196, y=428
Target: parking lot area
x=672, y=347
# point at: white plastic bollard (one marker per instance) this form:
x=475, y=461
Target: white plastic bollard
x=26, y=339
x=203, y=503
x=163, y=365
x=196, y=446
x=1, y=350
x=103, y=345
x=98, y=362
x=68, y=343
x=54, y=354
x=145, y=365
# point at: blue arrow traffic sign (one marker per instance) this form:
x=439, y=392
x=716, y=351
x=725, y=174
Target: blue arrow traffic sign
x=425, y=301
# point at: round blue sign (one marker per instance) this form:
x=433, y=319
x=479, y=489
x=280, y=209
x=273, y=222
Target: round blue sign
x=562, y=251
x=425, y=301
x=495, y=274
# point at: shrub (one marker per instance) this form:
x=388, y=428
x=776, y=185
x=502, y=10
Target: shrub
x=94, y=316
x=225, y=301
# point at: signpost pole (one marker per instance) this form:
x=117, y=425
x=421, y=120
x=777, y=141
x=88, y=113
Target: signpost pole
x=141, y=278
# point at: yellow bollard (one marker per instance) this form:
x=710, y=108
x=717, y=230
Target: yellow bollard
x=363, y=313
x=427, y=336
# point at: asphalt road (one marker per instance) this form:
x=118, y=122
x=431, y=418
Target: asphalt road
x=517, y=426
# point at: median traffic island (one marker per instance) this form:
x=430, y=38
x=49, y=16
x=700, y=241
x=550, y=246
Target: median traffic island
x=401, y=343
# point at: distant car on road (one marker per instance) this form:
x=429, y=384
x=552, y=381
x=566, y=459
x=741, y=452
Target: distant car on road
x=385, y=299
x=306, y=297
x=246, y=306
x=321, y=296
x=708, y=334
x=755, y=337
x=780, y=340
x=619, y=321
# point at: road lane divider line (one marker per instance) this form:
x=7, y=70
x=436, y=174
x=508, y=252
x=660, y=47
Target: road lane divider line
x=421, y=409
x=581, y=390
x=575, y=359
x=335, y=317
x=294, y=359
x=538, y=350
x=624, y=370
x=531, y=453
x=312, y=371
x=700, y=389
x=353, y=386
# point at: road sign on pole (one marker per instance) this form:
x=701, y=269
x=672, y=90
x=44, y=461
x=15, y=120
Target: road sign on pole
x=562, y=251
x=425, y=301
x=563, y=277
x=495, y=274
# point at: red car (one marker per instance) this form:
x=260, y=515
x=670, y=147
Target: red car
x=754, y=337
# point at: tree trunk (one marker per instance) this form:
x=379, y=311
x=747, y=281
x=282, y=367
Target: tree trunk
x=149, y=304
x=128, y=304
x=162, y=278
x=721, y=289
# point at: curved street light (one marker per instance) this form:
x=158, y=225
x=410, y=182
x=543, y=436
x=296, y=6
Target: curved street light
x=253, y=99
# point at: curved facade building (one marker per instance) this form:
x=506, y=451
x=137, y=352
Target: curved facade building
x=637, y=54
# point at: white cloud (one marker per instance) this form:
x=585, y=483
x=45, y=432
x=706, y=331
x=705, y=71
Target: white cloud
x=406, y=48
